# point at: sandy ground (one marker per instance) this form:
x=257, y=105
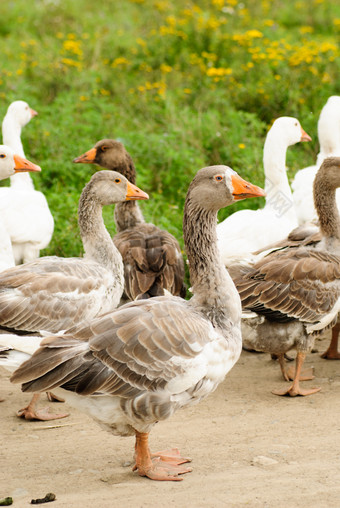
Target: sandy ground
x=248, y=448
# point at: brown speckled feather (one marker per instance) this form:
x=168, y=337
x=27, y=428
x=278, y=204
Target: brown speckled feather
x=300, y=283
x=140, y=347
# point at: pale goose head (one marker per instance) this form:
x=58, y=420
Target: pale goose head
x=21, y=112
x=289, y=130
x=11, y=163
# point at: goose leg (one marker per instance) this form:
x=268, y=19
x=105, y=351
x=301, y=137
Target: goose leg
x=289, y=374
x=161, y=467
x=295, y=388
x=332, y=351
x=30, y=413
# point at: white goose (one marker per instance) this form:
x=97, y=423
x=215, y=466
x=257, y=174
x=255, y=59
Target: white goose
x=246, y=231
x=53, y=293
x=10, y=164
x=141, y=362
x=329, y=139
x=24, y=211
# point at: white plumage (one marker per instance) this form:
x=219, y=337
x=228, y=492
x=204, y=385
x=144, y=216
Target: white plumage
x=23, y=210
x=247, y=231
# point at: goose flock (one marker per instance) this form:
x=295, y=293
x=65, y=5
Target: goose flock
x=112, y=333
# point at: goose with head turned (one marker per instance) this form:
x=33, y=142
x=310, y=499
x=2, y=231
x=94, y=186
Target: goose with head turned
x=10, y=164
x=246, y=231
x=152, y=257
x=294, y=291
x=24, y=210
x=53, y=293
x=141, y=362
x=329, y=139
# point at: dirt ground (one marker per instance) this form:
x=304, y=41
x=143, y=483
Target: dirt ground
x=248, y=448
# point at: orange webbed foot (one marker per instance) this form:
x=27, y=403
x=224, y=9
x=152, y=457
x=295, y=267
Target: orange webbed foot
x=162, y=470
x=293, y=391
x=54, y=398
x=41, y=415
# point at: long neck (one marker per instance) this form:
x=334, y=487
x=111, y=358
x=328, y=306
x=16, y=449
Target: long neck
x=11, y=134
x=279, y=195
x=127, y=215
x=214, y=293
x=326, y=207
x=95, y=237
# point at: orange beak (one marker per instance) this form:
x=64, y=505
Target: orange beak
x=33, y=112
x=243, y=189
x=305, y=136
x=22, y=165
x=88, y=157
x=134, y=192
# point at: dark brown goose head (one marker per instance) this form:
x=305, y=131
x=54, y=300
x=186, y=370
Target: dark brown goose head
x=110, y=154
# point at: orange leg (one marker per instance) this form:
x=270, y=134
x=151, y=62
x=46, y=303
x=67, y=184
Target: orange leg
x=164, y=467
x=289, y=374
x=295, y=388
x=332, y=351
x=30, y=413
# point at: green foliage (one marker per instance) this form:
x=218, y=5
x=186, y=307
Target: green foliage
x=182, y=84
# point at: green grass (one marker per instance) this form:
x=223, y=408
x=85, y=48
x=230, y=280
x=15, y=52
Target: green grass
x=183, y=85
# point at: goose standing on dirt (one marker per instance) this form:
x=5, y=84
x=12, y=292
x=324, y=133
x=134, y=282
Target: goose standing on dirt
x=10, y=164
x=152, y=257
x=53, y=293
x=295, y=291
x=246, y=231
x=329, y=139
x=138, y=364
x=23, y=210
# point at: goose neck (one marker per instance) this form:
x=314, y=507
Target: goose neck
x=127, y=215
x=97, y=242
x=327, y=210
x=214, y=293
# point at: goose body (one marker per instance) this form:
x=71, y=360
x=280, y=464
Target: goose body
x=152, y=257
x=137, y=364
x=246, y=231
x=329, y=139
x=10, y=164
x=24, y=210
x=293, y=292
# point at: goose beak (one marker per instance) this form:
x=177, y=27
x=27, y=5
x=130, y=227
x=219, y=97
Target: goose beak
x=305, y=136
x=243, y=189
x=88, y=156
x=33, y=112
x=22, y=165
x=134, y=192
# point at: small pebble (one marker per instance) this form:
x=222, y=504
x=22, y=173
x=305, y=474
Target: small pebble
x=264, y=461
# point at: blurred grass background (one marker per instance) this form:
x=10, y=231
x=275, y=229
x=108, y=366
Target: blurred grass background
x=183, y=84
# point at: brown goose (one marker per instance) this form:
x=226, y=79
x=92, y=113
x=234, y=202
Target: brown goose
x=152, y=257
x=53, y=293
x=141, y=362
x=295, y=290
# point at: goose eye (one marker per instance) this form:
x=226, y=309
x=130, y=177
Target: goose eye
x=117, y=180
x=218, y=178
x=2, y=155
x=104, y=148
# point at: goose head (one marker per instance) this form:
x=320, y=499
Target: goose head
x=21, y=112
x=107, y=153
x=216, y=187
x=289, y=130
x=109, y=187
x=11, y=163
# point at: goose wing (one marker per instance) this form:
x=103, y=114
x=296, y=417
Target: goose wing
x=53, y=293
x=147, y=345
x=289, y=284
x=152, y=261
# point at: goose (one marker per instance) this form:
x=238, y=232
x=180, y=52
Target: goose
x=24, y=210
x=293, y=293
x=246, y=231
x=329, y=139
x=10, y=164
x=138, y=364
x=152, y=257
x=53, y=293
